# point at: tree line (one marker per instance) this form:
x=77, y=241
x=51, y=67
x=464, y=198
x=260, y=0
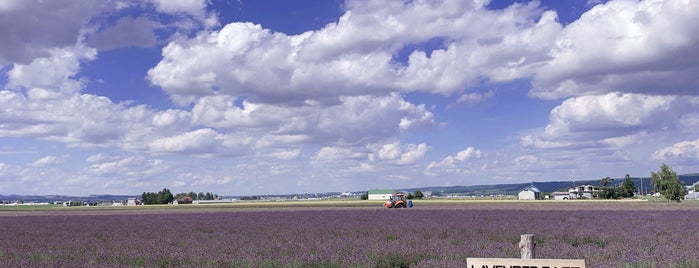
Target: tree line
x=626, y=190
x=197, y=196
x=162, y=197
x=665, y=182
x=166, y=197
x=417, y=194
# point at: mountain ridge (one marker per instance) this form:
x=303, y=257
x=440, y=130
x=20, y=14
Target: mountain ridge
x=546, y=186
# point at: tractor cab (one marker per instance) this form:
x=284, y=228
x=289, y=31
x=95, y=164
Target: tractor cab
x=398, y=197
x=398, y=201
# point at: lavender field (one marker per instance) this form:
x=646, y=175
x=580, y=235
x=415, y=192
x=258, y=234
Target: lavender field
x=436, y=236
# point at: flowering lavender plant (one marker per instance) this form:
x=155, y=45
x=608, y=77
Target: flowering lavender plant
x=439, y=236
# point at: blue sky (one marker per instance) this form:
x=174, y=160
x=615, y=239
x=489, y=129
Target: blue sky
x=273, y=97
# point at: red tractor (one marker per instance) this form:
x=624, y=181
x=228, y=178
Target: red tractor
x=398, y=201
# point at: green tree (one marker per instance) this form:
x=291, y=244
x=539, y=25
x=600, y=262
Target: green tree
x=628, y=187
x=364, y=196
x=162, y=197
x=149, y=198
x=417, y=194
x=165, y=196
x=666, y=182
x=606, y=181
x=606, y=192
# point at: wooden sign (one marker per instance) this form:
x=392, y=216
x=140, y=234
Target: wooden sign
x=523, y=263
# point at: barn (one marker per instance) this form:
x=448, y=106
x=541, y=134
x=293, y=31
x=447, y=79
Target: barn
x=530, y=193
x=380, y=194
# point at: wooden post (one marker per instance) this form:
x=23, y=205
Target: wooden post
x=526, y=246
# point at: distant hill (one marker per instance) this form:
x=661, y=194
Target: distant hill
x=547, y=187
x=506, y=189
x=63, y=198
x=689, y=179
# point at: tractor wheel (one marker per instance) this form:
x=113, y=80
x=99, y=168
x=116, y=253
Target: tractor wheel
x=400, y=205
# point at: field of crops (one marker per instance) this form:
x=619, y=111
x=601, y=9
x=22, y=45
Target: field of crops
x=604, y=234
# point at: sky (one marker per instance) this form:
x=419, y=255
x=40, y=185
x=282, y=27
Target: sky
x=305, y=96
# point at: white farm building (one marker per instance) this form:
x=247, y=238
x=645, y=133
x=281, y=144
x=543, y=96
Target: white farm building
x=380, y=194
x=529, y=193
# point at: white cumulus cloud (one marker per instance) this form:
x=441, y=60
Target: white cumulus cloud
x=461, y=163
x=642, y=47
x=203, y=141
x=611, y=115
x=34, y=28
x=684, y=151
x=402, y=154
x=49, y=160
x=355, y=56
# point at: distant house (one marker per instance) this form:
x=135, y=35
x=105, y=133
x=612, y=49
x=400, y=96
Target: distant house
x=131, y=202
x=692, y=196
x=182, y=200
x=530, y=193
x=693, y=188
x=380, y=194
x=583, y=191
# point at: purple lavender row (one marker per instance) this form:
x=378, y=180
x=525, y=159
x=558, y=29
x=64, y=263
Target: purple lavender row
x=348, y=238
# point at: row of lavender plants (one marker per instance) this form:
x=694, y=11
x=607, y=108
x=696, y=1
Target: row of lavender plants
x=421, y=237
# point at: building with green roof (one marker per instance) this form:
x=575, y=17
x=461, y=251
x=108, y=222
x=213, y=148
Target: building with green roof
x=380, y=194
